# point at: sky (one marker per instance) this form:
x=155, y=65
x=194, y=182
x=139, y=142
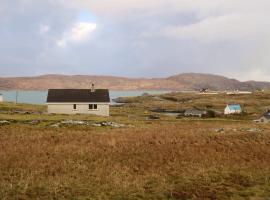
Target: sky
x=135, y=38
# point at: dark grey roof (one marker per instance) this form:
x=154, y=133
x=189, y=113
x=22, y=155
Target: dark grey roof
x=266, y=115
x=78, y=96
x=195, y=111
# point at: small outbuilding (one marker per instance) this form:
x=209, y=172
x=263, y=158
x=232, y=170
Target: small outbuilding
x=265, y=118
x=194, y=112
x=79, y=101
x=233, y=109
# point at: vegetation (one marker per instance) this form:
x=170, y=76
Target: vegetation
x=221, y=158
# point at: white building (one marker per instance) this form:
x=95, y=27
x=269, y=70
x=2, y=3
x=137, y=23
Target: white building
x=79, y=101
x=233, y=109
x=1, y=98
x=238, y=92
x=265, y=118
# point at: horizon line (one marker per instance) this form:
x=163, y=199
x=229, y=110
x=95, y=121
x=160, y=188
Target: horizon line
x=126, y=77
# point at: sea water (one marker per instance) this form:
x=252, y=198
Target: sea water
x=40, y=97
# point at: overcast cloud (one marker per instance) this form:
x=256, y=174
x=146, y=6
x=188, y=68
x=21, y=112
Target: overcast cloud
x=135, y=38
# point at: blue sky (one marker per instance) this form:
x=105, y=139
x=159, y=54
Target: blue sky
x=86, y=16
x=135, y=38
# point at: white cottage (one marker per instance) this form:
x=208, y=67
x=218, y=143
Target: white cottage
x=265, y=118
x=233, y=109
x=79, y=101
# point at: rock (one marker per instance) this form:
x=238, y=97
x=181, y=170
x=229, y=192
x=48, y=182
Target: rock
x=4, y=122
x=97, y=125
x=112, y=124
x=153, y=117
x=220, y=130
x=22, y=112
x=34, y=122
x=55, y=125
x=254, y=130
x=72, y=122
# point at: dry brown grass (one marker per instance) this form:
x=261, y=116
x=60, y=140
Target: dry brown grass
x=176, y=160
x=157, y=159
x=255, y=103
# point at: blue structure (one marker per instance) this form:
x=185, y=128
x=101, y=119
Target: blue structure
x=233, y=109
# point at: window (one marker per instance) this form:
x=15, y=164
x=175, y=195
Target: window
x=74, y=107
x=92, y=106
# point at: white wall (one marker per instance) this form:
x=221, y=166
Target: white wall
x=103, y=109
x=1, y=98
x=227, y=111
x=264, y=120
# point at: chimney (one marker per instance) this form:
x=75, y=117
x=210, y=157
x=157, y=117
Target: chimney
x=93, y=88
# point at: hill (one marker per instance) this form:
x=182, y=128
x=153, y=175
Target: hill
x=187, y=81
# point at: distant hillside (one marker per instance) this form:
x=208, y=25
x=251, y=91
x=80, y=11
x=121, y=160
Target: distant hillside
x=187, y=81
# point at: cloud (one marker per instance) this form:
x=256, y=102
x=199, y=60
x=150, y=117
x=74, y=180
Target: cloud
x=78, y=33
x=135, y=37
x=233, y=27
x=2, y=7
x=200, y=8
x=43, y=28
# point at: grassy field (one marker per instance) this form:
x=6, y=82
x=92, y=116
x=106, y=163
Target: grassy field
x=162, y=159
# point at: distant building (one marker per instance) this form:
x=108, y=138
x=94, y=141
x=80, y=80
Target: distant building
x=79, y=101
x=194, y=112
x=265, y=118
x=204, y=90
x=1, y=98
x=238, y=92
x=233, y=109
